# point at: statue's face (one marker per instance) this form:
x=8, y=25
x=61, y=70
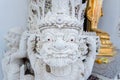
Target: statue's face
x=59, y=47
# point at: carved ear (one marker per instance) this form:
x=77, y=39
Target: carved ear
x=38, y=43
x=88, y=47
x=93, y=46
x=83, y=48
x=32, y=43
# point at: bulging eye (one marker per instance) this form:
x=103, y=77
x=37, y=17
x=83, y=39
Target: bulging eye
x=48, y=39
x=72, y=39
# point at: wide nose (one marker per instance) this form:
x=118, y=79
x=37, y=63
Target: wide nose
x=60, y=44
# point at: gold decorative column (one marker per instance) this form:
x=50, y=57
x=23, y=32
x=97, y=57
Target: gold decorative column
x=93, y=14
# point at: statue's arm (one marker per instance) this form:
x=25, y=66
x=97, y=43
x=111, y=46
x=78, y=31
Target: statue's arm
x=22, y=51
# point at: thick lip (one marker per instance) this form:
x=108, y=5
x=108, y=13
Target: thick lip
x=57, y=50
x=65, y=51
x=59, y=56
x=54, y=55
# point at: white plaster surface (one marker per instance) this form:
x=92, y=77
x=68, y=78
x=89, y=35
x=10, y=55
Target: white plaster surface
x=109, y=22
x=13, y=13
x=54, y=38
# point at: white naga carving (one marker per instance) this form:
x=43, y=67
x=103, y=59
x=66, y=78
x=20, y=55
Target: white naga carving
x=54, y=47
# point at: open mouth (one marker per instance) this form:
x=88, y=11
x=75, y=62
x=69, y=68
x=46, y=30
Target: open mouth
x=59, y=55
x=53, y=54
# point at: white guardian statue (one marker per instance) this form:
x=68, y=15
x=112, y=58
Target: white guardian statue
x=54, y=46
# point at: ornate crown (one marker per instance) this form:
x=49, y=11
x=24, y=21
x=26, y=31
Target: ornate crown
x=45, y=14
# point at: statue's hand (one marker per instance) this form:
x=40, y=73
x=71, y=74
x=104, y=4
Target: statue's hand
x=22, y=51
x=23, y=43
x=23, y=76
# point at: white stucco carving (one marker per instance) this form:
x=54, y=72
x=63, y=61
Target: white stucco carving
x=54, y=47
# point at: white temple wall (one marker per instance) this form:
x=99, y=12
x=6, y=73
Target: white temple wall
x=13, y=13
x=109, y=21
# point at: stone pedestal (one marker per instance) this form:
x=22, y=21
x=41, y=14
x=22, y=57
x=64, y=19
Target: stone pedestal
x=108, y=71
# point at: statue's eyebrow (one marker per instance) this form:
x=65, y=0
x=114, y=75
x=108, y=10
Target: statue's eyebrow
x=74, y=34
x=50, y=33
